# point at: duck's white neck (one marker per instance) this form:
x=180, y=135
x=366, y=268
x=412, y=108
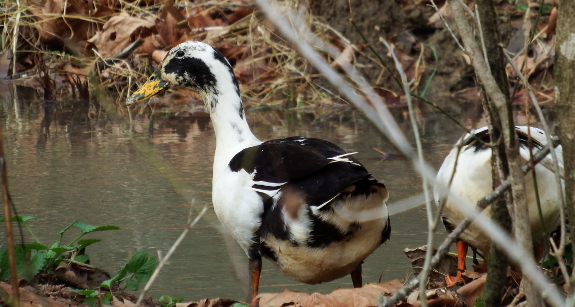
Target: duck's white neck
x=229, y=120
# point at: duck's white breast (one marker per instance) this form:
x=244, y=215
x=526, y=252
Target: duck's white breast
x=237, y=205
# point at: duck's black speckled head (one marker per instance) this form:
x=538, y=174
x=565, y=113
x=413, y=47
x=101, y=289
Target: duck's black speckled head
x=192, y=65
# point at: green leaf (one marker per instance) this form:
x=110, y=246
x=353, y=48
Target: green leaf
x=165, y=300
x=121, y=274
x=107, y=299
x=107, y=283
x=61, y=233
x=36, y=246
x=133, y=285
x=91, y=301
x=28, y=270
x=61, y=249
x=168, y=301
x=240, y=305
x=86, y=292
x=86, y=228
x=27, y=267
x=4, y=266
x=142, y=265
x=87, y=242
x=81, y=258
x=21, y=219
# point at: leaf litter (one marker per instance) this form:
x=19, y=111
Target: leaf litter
x=73, y=36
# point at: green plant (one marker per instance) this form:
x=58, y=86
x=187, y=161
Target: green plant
x=33, y=258
x=91, y=295
x=168, y=301
x=551, y=262
x=139, y=269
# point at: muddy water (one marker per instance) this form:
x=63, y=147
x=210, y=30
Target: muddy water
x=85, y=163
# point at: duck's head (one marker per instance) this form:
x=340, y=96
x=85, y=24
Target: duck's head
x=192, y=65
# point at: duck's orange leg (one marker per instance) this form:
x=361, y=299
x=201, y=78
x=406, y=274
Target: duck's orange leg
x=356, y=277
x=461, y=256
x=255, y=268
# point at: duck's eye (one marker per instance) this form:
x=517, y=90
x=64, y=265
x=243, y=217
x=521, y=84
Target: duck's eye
x=180, y=54
x=152, y=77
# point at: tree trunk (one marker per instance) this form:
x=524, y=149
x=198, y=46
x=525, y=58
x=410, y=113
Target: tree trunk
x=498, y=261
x=565, y=98
x=500, y=102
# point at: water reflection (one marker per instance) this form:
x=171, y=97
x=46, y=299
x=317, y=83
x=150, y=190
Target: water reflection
x=86, y=162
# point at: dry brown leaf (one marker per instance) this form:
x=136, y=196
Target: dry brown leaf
x=472, y=274
x=167, y=24
x=65, y=272
x=159, y=55
x=471, y=291
x=527, y=69
x=71, y=30
x=116, y=33
x=30, y=299
x=444, y=10
x=212, y=303
x=118, y=302
x=436, y=298
x=448, y=265
x=239, y=13
x=408, y=63
x=152, y=43
x=551, y=24
x=367, y=295
x=480, y=268
x=345, y=58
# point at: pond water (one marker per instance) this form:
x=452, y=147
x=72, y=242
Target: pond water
x=87, y=162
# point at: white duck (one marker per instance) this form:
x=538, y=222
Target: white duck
x=473, y=180
x=303, y=203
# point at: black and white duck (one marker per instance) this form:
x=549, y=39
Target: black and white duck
x=303, y=203
x=473, y=180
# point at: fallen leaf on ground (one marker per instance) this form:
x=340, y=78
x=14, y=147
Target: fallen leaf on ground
x=345, y=58
x=116, y=33
x=367, y=295
x=448, y=265
x=471, y=291
x=218, y=302
x=159, y=55
x=30, y=299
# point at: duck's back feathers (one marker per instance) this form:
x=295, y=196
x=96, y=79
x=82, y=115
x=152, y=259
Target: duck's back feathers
x=316, y=168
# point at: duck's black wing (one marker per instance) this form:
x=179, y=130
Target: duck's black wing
x=317, y=168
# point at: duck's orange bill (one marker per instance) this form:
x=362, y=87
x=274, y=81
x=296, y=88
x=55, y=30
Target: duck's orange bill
x=153, y=86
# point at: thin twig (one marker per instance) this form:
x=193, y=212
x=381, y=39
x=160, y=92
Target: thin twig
x=556, y=169
x=15, y=38
x=558, y=254
x=483, y=48
x=430, y=218
x=447, y=25
x=171, y=251
x=8, y=222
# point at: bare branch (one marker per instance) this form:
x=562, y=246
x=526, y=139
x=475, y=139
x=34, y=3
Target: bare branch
x=447, y=25
x=430, y=218
x=170, y=252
